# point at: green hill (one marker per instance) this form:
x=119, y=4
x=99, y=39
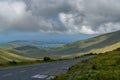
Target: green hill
x=102, y=67
x=32, y=51
x=7, y=56
x=84, y=46
x=100, y=44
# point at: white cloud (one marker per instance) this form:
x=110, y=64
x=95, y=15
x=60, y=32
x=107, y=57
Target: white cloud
x=60, y=16
x=12, y=10
x=87, y=30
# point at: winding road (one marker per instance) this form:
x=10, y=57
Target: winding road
x=43, y=71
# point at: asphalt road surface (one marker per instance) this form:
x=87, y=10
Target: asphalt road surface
x=43, y=71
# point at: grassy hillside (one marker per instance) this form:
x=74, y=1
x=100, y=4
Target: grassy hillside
x=83, y=46
x=7, y=56
x=102, y=67
x=106, y=49
x=32, y=51
x=100, y=44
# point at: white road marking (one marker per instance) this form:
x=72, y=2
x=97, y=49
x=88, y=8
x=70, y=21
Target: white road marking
x=40, y=76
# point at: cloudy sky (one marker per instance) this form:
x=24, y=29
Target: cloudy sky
x=58, y=17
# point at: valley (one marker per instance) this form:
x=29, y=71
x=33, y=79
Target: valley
x=105, y=48
x=28, y=49
x=59, y=39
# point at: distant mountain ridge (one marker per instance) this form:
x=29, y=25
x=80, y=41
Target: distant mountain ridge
x=20, y=43
x=100, y=44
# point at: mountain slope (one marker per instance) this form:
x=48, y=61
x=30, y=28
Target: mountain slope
x=7, y=56
x=106, y=49
x=33, y=52
x=98, y=42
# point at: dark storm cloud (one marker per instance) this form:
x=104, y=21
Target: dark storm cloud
x=60, y=16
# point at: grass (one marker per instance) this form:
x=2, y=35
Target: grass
x=9, y=59
x=102, y=67
x=107, y=48
x=22, y=63
x=7, y=56
x=89, y=42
